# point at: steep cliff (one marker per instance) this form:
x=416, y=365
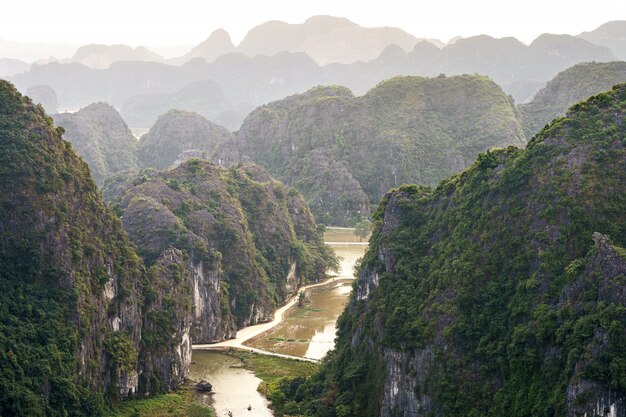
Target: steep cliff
x=497, y=293
x=101, y=138
x=344, y=152
x=71, y=285
x=569, y=87
x=176, y=132
x=250, y=241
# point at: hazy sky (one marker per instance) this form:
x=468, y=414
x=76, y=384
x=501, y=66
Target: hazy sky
x=174, y=22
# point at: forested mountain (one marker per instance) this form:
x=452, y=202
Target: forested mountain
x=569, y=87
x=101, y=138
x=74, y=319
x=344, y=152
x=250, y=241
x=176, y=132
x=500, y=292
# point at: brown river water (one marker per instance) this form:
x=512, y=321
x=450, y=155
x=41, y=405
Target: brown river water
x=307, y=331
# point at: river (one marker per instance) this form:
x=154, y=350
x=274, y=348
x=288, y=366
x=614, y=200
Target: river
x=303, y=331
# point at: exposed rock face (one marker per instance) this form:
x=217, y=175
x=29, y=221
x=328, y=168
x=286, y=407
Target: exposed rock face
x=343, y=152
x=168, y=318
x=101, y=138
x=177, y=132
x=569, y=87
x=250, y=241
x=71, y=284
x=498, y=292
x=203, y=97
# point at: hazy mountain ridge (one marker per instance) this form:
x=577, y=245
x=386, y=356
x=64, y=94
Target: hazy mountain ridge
x=499, y=292
x=407, y=129
x=249, y=82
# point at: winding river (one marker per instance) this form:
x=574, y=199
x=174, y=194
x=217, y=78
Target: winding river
x=306, y=331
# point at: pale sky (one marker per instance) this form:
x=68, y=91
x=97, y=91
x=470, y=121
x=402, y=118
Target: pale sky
x=176, y=22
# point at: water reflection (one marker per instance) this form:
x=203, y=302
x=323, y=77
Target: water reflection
x=235, y=388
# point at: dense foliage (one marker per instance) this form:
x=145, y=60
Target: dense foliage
x=254, y=227
x=100, y=136
x=178, y=131
x=344, y=152
x=490, y=288
x=569, y=87
x=59, y=245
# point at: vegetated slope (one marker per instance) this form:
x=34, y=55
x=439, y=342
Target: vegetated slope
x=250, y=241
x=569, y=87
x=344, y=152
x=203, y=97
x=101, y=138
x=500, y=292
x=72, y=323
x=178, y=132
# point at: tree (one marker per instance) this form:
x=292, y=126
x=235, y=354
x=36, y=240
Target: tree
x=362, y=229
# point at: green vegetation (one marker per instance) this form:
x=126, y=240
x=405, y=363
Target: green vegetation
x=177, y=131
x=497, y=295
x=247, y=227
x=101, y=138
x=344, y=152
x=176, y=404
x=71, y=284
x=362, y=229
x=279, y=376
x=569, y=87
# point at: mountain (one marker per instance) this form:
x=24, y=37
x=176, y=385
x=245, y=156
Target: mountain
x=203, y=97
x=101, y=138
x=44, y=95
x=569, y=87
x=344, y=152
x=216, y=45
x=326, y=39
x=102, y=56
x=250, y=242
x=10, y=67
x=498, y=293
x=612, y=35
x=72, y=289
x=176, y=132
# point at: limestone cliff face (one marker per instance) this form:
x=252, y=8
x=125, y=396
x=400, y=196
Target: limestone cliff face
x=499, y=292
x=72, y=286
x=249, y=240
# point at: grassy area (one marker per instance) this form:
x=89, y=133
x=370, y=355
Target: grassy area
x=176, y=404
x=272, y=369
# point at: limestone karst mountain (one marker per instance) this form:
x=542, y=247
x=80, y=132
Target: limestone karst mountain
x=102, y=138
x=498, y=292
x=344, y=152
x=75, y=318
x=569, y=87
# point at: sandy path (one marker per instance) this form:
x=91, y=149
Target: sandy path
x=251, y=331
